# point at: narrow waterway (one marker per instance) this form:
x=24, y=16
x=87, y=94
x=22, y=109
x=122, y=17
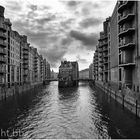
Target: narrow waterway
x=80, y=112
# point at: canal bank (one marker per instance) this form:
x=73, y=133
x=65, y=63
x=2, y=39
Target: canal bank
x=6, y=92
x=81, y=112
x=124, y=97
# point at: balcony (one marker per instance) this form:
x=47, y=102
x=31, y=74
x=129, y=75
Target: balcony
x=124, y=5
x=105, y=49
x=35, y=60
x=25, y=62
x=101, y=65
x=25, y=67
x=126, y=18
x=128, y=83
x=2, y=83
x=3, y=44
x=126, y=31
x=2, y=51
x=25, y=52
x=105, y=68
x=100, y=55
x=25, y=49
x=2, y=69
x=102, y=38
x=25, y=73
x=105, y=55
x=105, y=62
x=100, y=60
x=3, y=36
x=126, y=63
x=25, y=57
x=2, y=59
x=128, y=45
x=100, y=50
x=3, y=27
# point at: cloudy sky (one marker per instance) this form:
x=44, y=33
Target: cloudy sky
x=60, y=29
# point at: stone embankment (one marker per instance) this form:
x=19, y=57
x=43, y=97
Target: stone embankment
x=127, y=98
x=16, y=90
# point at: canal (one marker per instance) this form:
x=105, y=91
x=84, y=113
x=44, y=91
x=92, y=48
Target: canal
x=83, y=112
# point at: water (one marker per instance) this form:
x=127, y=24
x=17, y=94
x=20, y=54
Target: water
x=82, y=112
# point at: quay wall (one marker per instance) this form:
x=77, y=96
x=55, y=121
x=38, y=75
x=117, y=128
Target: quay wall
x=126, y=100
x=15, y=90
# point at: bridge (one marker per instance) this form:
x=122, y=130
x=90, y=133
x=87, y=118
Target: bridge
x=80, y=79
x=85, y=79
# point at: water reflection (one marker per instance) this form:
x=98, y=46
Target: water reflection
x=80, y=112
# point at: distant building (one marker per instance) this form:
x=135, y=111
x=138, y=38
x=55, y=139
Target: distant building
x=84, y=74
x=68, y=74
x=48, y=71
x=91, y=76
x=54, y=75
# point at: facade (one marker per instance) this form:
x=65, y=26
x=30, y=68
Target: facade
x=84, y=74
x=121, y=36
x=20, y=63
x=96, y=64
x=114, y=51
x=129, y=41
x=68, y=74
x=104, y=50
x=14, y=57
x=48, y=71
x=54, y=75
x=3, y=47
x=91, y=72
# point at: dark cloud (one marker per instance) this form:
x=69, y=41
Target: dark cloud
x=89, y=40
x=54, y=54
x=45, y=42
x=47, y=19
x=33, y=7
x=88, y=22
x=66, y=41
x=46, y=46
x=67, y=23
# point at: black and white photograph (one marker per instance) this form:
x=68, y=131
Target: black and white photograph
x=69, y=69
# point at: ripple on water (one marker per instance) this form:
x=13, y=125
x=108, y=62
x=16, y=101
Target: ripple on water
x=76, y=113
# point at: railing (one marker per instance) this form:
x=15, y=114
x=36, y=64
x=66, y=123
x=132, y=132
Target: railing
x=122, y=4
x=2, y=35
x=123, y=62
x=123, y=44
x=105, y=61
x=25, y=67
x=2, y=59
x=126, y=29
x=25, y=49
x=105, y=49
x=2, y=26
x=3, y=51
x=3, y=44
x=125, y=15
x=25, y=72
x=2, y=69
x=25, y=57
x=25, y=52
